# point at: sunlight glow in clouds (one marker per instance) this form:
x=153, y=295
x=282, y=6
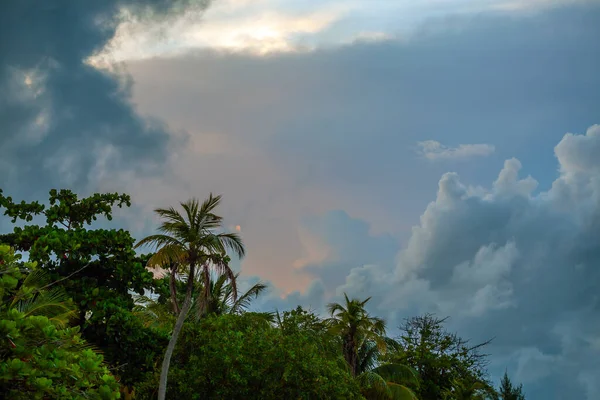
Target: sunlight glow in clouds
x=230, y=26
x=263, y=27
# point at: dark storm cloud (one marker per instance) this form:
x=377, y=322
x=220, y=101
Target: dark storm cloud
x=61, y=120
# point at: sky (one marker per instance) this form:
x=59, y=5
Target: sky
x=439, y=155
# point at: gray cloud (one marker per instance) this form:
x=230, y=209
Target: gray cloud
x=342, y=252
x=64, y=122
x=344, y=121
x=434, y=150
x=505, y=262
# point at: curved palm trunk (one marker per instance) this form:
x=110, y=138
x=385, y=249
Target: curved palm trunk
x=164, y=370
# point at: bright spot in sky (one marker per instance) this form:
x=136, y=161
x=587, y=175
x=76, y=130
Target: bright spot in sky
x=262, y=27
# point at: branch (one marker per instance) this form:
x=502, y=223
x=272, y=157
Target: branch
x=62, y=279
x=17, y=298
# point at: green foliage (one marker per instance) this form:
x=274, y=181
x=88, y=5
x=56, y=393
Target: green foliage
x=244, y=357
x=223, y=299
x=355, y=327
x=363, y=342
x=97, y=268
x=138, y=347
x=301, y=320
x=39, y=358
x=446, y=363
x=508, y=391
x=189, y=240
x=389, y=382
x=469, y=390
x=86, y=285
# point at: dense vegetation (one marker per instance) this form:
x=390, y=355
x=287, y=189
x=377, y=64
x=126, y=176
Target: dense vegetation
x=84, y=317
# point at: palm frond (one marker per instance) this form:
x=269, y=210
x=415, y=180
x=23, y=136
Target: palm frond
x=222, y=268
x=243, y=302
x=170, y=215
x=172, y=255
x=333, y=308
x=368, y=354
x=210, y=204
x=401, y=392
x=397, y=373
x=158, y=241
x=373, y=386
x=233, y=242
x=53, y=304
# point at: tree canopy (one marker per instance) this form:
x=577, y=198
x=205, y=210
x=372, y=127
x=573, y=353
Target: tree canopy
x=41, y=357
x=244, y=357
x=85, y=318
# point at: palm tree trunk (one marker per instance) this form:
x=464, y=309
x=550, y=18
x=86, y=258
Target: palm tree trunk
x=173, y=288
x=164, y=370
x=350, y=354
x=204, y=303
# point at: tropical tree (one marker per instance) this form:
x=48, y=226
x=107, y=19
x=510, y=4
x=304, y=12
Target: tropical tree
x=223, y=298
x=97, y=268
x=40, y=356
x=363, y=341
x=157, y=311
x=447, y=364
x=191, y=239
x=243, y=357
x=355, y=326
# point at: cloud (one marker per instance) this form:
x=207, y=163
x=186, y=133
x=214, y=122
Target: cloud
x=433, y=150
x=290, y=137
x=508, y=263
x=332, y=256
x=265, y=27
x=224, y=28
x=62, y=120
x=335, y=129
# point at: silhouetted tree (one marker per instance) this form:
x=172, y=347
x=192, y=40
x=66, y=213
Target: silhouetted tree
x=508, y=391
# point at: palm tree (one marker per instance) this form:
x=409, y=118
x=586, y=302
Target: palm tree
x=154, y=312
x=353, y=324
x=363, y=342
x=190, y=239
x=223, y=296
